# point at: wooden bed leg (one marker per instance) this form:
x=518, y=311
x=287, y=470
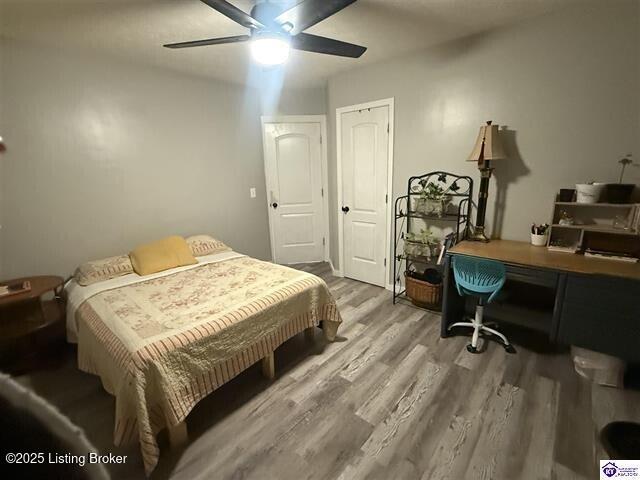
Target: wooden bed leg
x=269, y=366
x=178, y=434
x=310, y=333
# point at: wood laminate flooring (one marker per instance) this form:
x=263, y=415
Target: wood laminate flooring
x=389, y=400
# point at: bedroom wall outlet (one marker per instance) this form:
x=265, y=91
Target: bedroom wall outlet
x=252, y=192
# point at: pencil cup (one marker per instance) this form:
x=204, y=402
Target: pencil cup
x=539, y=240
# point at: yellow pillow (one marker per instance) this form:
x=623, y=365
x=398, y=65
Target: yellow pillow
x=162, y=255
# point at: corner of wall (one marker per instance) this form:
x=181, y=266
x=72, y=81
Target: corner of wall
x=2, y=156
x=332, y=180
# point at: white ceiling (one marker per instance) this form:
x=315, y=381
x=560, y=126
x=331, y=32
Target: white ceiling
x=136, y=29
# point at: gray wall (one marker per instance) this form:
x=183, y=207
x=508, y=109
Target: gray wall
x=103, y=155
x=296, y=101
x=564, y=85
x=2, y=124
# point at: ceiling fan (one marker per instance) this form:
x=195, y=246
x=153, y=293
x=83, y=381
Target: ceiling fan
x=274, y=30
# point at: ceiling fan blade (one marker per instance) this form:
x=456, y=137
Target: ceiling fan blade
x=209, y=41
x=309, y=12
x=329, y=46
x=234, y=13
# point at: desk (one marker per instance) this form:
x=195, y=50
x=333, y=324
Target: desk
x=587, y=302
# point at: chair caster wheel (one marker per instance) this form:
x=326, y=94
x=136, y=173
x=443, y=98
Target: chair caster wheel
x=510, y=348
x=472, y=349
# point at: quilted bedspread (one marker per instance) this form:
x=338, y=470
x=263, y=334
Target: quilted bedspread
x=162, y=344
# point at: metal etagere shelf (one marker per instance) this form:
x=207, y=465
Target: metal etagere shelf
x=406, y=219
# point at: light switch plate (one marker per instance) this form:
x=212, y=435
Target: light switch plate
x=252, y=192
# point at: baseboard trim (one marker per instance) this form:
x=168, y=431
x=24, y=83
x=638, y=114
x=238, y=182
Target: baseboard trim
x=334, y=272
x=338, y=273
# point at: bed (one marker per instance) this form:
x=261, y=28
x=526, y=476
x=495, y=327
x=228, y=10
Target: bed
x=162, y=342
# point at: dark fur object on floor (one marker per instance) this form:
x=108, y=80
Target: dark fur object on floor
x=39, y=440
x=621, y=440
x=632, y=377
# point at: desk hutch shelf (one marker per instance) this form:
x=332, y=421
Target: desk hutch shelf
x=598, y=226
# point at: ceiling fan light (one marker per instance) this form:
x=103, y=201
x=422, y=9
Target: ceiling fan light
x=270, y=51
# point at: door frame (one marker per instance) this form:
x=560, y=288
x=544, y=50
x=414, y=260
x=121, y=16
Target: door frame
x=322, y=120
x=388, y=102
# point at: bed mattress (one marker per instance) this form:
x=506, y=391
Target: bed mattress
x=161, y=343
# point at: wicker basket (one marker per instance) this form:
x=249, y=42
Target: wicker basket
x=423, y=294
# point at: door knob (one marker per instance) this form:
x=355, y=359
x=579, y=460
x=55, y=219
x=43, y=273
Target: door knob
x=345, y=209
x=274, y=205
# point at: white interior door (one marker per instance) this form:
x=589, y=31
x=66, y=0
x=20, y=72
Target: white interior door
x=293, y=171
x=365, y=156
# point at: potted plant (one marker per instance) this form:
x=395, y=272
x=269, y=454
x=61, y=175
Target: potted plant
x=433, y=199
x=422, y=244
x=620, y=192
x=589, y=192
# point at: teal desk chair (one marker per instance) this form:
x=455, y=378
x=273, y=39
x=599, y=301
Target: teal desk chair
x=482, y=279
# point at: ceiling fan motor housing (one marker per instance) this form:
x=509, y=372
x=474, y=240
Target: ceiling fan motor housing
x=265, y=13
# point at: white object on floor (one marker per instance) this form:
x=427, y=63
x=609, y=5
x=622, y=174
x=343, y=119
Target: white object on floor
x=598, y=367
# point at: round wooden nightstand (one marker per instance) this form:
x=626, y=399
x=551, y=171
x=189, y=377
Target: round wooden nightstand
x=31, y=327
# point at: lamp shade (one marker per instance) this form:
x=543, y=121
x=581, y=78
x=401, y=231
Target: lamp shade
x=488, y=145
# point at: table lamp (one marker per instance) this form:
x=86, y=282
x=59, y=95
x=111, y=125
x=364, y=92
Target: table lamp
x=487, y=148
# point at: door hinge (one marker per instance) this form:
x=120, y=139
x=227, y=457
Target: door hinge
x=388, y=128
x=386, y=198
x=320, y=139
x=385, y=262
x=322, y=192
x=323, y=242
